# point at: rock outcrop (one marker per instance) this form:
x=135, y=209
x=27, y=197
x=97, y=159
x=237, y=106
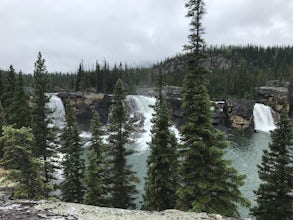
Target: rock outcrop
x=275, y=94
x=240, y=113
x=85, y=105
x=48, y=210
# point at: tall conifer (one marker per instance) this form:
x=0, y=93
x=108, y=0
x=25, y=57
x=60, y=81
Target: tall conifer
x=123, y=178
x=208, y=183
x=9, y=95
x=72, y=187
x=43, y=133
x=162, y=178
x=97, y=173
x=21, y=111
x=274, y=195
x=1, y=86
x=2, y=123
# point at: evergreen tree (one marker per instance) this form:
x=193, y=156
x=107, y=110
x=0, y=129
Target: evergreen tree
x=97, y=173
x=161, y=181
x=208, y=183
x=43, y=133
x=73, y=165
x=123, y=178
x=24, y=169
x=82, y=82
x=21, y=112
x=274, y=195
x=9, y=94
x=1, y=86
x=2, y=123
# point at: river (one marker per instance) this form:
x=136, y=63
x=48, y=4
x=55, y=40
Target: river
x=244, y=151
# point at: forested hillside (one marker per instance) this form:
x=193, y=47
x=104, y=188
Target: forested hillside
x=236, y=71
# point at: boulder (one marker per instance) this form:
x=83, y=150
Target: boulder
x=240, y=113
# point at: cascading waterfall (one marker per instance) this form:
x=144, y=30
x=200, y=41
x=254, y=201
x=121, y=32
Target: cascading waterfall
x=142, y=104
x=56, y=105
x=263, y=119
x=58, y=111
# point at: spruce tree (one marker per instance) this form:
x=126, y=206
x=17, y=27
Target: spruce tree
x=2, y=123
x=82, y=82
x=1, y=86
x=208, y=183
x=24, y=168
x=162, y=178
x=97, y=172
x=43, y=132
x=9, y=95
x=274, y=195
x=123, y=178
x=72, y=187
x=21, y=111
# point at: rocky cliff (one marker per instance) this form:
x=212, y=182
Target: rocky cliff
x=275, y=94
x=240, y=113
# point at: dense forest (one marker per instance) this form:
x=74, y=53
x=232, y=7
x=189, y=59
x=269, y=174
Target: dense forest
x=192, y=174
x=235, y=72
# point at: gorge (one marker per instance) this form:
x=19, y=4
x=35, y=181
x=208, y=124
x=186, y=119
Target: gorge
x=245, y=151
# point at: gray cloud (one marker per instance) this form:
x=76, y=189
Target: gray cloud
x=134, y=31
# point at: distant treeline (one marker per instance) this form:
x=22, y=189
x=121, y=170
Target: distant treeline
x=235, y=72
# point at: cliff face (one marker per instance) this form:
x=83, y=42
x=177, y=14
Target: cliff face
x=275, y=94
x=85, y=105
x=240, y=113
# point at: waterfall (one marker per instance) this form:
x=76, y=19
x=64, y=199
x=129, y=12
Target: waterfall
x=142, y=104
x=58, y=111
x=56, y=106
x=263, y=119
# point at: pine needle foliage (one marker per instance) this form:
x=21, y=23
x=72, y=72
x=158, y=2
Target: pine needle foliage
x=97, y=172
x=208, y=182
x=274, y=195
x=24, y=168
x=161, y=179
x=45, y=135
x=123, y=178
x=72, y=187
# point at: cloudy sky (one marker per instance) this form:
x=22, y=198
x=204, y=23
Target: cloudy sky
x=138, y=32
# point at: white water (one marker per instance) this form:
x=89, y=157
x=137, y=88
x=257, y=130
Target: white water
x=263, y=119
x=142, y=104
x=58, y=111
x=58, y=120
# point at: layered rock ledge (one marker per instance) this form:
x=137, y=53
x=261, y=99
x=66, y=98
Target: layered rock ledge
x=11, y=209
x=32, y=210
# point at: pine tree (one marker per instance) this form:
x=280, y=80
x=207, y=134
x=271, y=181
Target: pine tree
x=97, y=173
x=274, y=195
x=1, y=86
x=72, y=187
x=9, y=94
x=21, y=113
x=82, y=82
x=123, y=178
x=161, y=181
x=2, y=123
x=208, y=183
x=24, y=168
x=43, y=133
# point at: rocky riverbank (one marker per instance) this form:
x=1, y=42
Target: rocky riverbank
x=50, y=210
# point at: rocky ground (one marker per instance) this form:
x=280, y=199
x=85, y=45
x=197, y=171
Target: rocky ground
x=40, y=210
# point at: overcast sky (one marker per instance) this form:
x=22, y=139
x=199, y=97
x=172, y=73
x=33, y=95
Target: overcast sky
x=138, y=32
